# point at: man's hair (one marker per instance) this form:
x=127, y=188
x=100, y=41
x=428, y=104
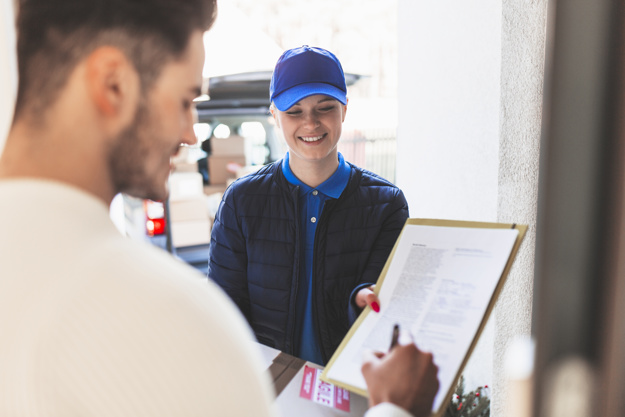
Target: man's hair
x=54, y=35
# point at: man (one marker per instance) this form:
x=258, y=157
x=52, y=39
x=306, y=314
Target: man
x=93, y=324
x=299, y=244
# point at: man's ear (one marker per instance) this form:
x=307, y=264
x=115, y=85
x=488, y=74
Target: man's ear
x=112, y=81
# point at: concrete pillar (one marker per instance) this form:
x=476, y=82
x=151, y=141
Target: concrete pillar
x=522, y=70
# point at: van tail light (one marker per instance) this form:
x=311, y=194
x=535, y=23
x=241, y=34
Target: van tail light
x=155, y=217
x=155, y=227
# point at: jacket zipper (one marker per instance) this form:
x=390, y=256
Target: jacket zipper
x=295, y=279
x=327, y=208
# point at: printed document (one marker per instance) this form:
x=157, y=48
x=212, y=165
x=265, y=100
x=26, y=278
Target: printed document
x=438, y=285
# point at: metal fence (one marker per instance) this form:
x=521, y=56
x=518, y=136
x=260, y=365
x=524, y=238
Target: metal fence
x=372, y=149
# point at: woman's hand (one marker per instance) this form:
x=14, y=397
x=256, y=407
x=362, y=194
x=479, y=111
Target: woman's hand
x=366, y=297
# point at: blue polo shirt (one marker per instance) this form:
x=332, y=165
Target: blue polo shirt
x=311, y=201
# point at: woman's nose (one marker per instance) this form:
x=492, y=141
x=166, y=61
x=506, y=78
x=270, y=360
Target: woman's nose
x=311, y=120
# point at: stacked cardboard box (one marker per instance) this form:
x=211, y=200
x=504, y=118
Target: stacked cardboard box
x=227, y=157
x=188, y=211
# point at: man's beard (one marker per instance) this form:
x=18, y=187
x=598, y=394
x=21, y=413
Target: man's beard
x=127, y=159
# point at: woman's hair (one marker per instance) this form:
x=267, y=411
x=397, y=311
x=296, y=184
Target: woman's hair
x=53, y=36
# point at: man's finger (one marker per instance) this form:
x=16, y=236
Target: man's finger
x=371, y=356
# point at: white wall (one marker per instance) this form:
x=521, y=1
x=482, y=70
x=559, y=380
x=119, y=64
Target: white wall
x=449, y=89
x=470, y=102
x=448, y=128
x=8, y=68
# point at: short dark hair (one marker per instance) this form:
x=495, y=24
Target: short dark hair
x=54, y=35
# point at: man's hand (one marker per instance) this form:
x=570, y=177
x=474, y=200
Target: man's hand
x=405, y=377
x=366, y=297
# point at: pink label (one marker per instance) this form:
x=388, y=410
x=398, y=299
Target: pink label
x=310, y=376
x=341, y=399
x=321, y=392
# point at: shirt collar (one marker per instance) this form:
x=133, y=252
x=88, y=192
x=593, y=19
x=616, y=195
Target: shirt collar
x=332, y=187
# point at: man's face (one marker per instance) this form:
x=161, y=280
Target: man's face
x=140, y=160
x=312, y=128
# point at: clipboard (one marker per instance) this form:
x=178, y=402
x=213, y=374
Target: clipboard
x=445, y=392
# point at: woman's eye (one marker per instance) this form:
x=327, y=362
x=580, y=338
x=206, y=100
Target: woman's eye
x=293, y=113
x=327, y=108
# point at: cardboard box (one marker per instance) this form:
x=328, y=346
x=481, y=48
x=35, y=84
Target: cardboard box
x=190, y=233
x=214, y=189
x=222, y=168
x=327, y=400
x=186, y=167
x=187, y=210
x=184, y=185
x=232, y=145
x=292, y=378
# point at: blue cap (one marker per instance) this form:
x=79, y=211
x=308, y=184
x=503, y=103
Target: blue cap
x=306, y=71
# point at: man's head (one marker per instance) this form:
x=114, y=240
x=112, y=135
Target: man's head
x=53, y=36
x=125, y=72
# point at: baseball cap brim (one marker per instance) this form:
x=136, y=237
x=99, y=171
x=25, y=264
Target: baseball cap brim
x=288, y=98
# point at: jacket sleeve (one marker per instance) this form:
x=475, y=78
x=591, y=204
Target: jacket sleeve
x=395, y=217
x=227, y=265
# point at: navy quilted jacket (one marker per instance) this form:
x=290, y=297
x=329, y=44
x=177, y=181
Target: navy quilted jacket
x=254, y=251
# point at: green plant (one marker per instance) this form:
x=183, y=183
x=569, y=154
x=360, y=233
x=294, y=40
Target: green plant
x=475, y=403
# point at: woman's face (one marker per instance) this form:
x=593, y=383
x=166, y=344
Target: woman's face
x=312, y=128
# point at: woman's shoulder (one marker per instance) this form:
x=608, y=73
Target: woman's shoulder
x=264, y=176
x=363, y=178
x=267, y=180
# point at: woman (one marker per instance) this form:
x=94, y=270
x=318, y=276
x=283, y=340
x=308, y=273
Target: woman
x=299, y=244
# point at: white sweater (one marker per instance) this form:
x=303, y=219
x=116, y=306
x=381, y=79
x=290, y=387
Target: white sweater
x=94, y=324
